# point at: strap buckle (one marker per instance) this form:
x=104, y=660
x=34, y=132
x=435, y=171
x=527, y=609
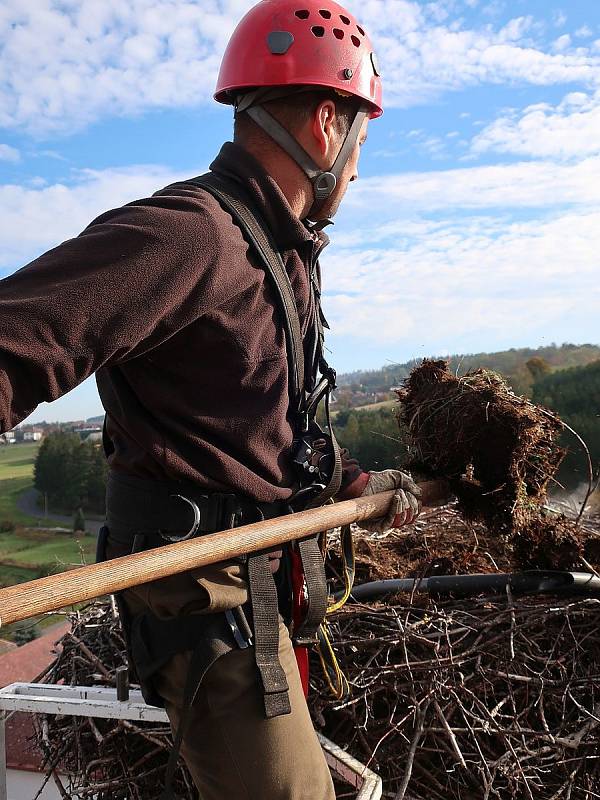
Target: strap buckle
x=195, y=525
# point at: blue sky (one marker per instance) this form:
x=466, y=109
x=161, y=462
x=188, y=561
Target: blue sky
x=475, y=224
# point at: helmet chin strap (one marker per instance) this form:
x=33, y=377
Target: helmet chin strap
x=323, y=181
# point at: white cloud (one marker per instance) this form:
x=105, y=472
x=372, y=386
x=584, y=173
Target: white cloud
x=66, y=65
x=8, y=153
x=569, y=130
x=522, y=185
x=480, y=277
x=562, y=43
x=584, y=32
x=559, y=18
x=395, y=275
x=35, y=218
x=421, y=59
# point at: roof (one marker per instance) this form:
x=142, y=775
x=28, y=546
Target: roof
x=24, y=664
x=27, y=662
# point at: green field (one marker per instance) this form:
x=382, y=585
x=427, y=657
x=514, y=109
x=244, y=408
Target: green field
x=37, y=550
x=26, y=553
x=16, y=475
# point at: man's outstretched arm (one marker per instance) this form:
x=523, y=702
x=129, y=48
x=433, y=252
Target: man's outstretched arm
x=132, y=278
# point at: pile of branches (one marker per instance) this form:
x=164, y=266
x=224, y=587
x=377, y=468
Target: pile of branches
x=443, y=542
x=103, y=759
x=471, y=700
x=499, y=450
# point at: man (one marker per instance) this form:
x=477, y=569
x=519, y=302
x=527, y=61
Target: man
x=171, y=305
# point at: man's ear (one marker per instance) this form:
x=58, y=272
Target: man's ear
x=323, y=127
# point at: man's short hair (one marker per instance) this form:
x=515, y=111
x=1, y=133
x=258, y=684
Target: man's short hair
x=294, y=110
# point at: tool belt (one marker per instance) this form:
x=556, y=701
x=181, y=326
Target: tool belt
x=143, y=514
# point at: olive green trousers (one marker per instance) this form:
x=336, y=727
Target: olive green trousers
x=231, y=750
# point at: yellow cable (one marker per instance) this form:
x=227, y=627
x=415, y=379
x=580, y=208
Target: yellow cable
x=349, y=562
x=336, y=680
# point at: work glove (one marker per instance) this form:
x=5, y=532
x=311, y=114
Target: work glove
x=405, y=506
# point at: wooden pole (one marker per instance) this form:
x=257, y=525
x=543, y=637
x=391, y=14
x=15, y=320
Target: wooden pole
x=85, y=583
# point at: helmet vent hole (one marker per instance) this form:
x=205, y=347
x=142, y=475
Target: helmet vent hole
x=355, y=41
x=339, y=34
x=360, y=30
x=303, y=14
x=318, y=31
x=344, y=19
x=325, y=14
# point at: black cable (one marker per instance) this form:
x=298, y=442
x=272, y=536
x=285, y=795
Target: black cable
x=531, y=582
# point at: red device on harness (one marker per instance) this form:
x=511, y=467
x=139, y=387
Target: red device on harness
x=299, y=607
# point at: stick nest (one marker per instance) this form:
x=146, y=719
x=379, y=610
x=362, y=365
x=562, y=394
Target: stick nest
x=499, y=450
x=509, y=688
x=490, y=698
x=103, y=759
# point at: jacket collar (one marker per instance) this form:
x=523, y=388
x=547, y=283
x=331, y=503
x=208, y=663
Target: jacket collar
x=288, y=231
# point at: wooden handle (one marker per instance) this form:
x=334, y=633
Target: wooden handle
x=85, y=583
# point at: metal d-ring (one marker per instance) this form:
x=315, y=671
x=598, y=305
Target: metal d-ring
x=197, y=519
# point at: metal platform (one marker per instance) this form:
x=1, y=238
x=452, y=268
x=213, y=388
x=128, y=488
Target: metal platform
x=95, y=701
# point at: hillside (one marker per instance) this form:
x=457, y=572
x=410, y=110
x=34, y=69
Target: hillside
x=365, y=387
x=575, y=395
x=372, y=435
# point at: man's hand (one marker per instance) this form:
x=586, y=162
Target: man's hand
x=405, y=506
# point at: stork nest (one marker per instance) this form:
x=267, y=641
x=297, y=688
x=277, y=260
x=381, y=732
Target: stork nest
x=471, y=700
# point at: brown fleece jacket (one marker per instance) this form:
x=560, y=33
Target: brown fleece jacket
x=165, y=302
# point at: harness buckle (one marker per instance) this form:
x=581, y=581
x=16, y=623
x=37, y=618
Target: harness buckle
x=195, y=525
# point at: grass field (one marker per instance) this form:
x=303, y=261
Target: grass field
x=26, y=552
x=16, y=475
x=36, y=550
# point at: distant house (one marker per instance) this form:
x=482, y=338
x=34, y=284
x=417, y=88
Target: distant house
x=9, y=437
x=87, y=431
x=32, y=436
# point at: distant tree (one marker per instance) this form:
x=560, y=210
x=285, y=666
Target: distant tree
x=25, y=633
x=79, y=521
x=575, y=395
x=70, y=472
x=374, y=438
x=538, y=368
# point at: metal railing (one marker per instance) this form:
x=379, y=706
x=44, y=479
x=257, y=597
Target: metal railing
x=96, y=701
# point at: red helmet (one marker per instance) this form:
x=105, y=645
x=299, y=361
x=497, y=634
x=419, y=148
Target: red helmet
x=300, y=42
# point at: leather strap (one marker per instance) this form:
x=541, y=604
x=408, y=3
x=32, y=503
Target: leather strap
x=263, y=597
x=256, y=232
x=316, y=584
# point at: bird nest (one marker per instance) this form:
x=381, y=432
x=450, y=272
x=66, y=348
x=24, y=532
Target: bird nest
x=471, y=700
x=102, y=759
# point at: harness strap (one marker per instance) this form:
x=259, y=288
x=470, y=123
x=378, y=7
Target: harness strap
x=335, y=481
x=256, y=232
x=263, y=597
x=316, y=585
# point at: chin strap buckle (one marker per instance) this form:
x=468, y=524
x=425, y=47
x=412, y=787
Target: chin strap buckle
x=324, y=186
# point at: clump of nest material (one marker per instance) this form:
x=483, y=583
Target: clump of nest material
x=499, y=451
